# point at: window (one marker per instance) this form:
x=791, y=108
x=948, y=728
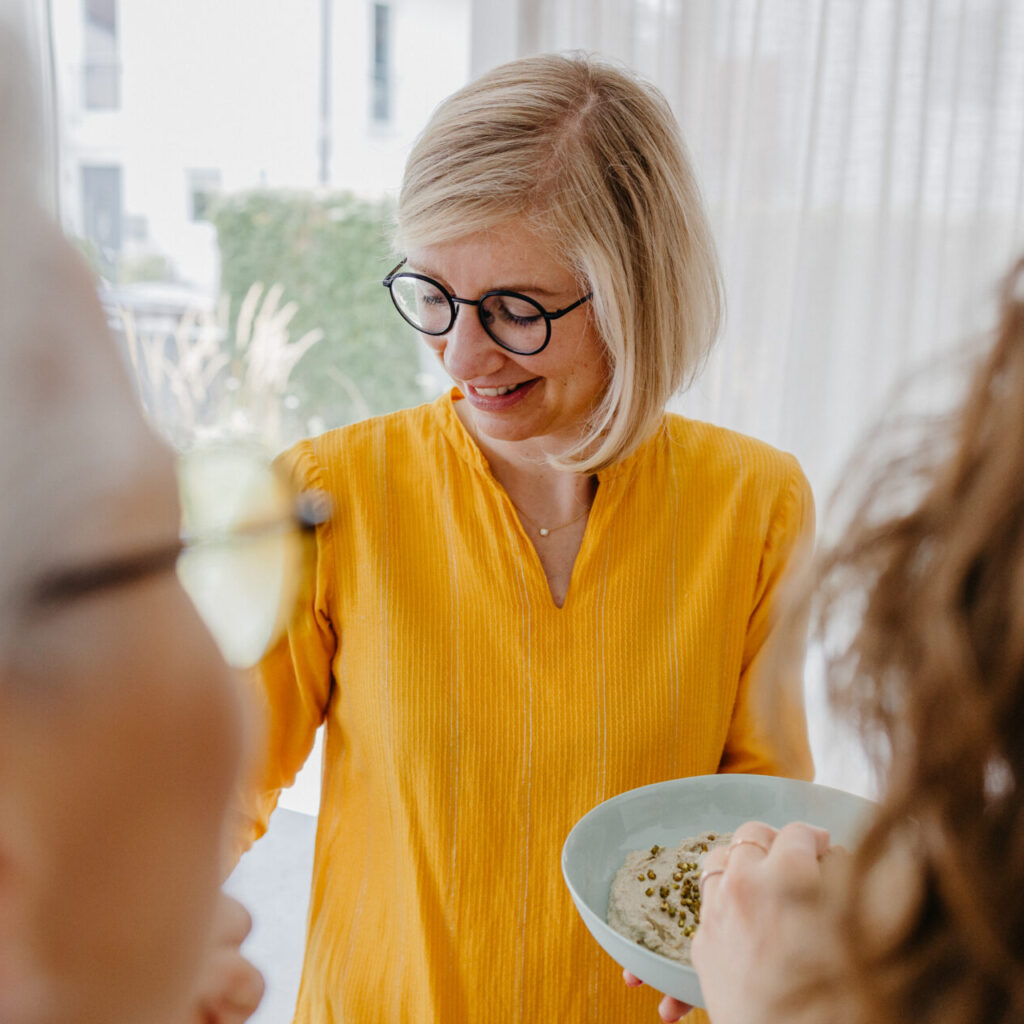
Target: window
x=202, y=186
x=380, y=86
x=101, y=213
x=101, y=68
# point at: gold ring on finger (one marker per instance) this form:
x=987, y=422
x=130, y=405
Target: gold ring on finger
x=705, y=875
x=747, y=842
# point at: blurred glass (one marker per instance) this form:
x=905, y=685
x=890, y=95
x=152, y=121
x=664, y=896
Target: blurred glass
x=248, y=546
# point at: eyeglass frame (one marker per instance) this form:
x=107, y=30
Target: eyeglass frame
x=454, y=301
x=305, y=511
x=75, y=581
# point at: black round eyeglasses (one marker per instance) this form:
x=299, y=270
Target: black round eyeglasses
x=516, y=322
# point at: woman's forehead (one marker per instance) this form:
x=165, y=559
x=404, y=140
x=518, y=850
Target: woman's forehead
x=507, y=252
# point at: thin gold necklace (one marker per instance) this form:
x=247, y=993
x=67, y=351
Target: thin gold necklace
x=545, y=530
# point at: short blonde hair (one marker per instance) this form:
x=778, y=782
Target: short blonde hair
x=591, y=157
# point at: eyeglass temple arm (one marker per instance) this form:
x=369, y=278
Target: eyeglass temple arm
x=309, y=510
x=312, y=508
x=391, y=273
x=568, y=309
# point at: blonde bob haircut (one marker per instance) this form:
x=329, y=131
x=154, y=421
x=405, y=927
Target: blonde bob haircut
x=589, y=157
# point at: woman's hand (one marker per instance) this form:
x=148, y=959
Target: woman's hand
x=760, y=906
x=761, y=921
x=230, y=988
x=669, y=1009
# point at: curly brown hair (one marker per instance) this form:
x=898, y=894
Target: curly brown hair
x=934, y=674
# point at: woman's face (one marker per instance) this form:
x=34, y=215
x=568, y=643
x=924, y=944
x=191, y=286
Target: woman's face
x=539, y=402
x=120, y=732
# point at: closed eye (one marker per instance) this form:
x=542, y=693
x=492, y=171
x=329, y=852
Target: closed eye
x=517, y=312
x=522, y=321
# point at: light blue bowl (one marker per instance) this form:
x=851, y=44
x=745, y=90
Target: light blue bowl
x=667, y=812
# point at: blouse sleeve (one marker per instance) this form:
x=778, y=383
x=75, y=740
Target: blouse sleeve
x=291, y=686
x=768, y=732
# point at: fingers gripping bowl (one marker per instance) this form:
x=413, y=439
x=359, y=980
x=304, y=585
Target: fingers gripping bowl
x=666, y=812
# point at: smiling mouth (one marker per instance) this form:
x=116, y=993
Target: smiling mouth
x=503, y=390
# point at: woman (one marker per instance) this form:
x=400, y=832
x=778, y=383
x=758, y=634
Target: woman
x=120, y=731
x=540, y=589
x=924, y=921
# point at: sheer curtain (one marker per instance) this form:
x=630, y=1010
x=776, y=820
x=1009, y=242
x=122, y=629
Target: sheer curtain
x=863, y=162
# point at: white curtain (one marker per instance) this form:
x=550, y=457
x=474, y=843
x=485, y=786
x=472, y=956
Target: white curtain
x=863, y=163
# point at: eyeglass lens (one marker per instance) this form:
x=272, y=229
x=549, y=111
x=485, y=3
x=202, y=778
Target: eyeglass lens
x=515, y=321
x=247, y=561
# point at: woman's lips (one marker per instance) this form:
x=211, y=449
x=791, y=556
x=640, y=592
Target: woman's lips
x=490, y=400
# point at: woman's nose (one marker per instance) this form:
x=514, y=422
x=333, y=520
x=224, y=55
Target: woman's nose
x=469, y=350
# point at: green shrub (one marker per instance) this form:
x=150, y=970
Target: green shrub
x=329, y=252
x=147, y=267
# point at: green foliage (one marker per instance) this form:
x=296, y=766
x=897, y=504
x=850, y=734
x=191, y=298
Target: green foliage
x=329, y=252
x=149, y=267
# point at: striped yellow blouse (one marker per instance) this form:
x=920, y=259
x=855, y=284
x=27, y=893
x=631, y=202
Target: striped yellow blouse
x=470, y=722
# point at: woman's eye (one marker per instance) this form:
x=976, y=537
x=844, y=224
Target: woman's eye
x=518, y=313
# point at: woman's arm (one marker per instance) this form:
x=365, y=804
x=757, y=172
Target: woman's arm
x=291, y=687
x=768, y=732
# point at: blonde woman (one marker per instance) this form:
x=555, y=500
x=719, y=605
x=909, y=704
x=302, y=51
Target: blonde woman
x=540, y=589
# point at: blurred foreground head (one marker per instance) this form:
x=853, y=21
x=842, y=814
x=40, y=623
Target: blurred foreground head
x=119, y=731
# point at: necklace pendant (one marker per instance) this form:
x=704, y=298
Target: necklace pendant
x=544, y=531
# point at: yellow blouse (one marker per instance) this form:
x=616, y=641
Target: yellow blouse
x=470, y=721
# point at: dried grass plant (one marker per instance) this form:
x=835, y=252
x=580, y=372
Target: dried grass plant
x=198, y=383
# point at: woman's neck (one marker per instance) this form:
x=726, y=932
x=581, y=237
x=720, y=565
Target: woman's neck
x=541, y=491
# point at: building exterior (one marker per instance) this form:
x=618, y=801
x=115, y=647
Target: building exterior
x=162, y=105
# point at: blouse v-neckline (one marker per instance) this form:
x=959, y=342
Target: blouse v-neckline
x=608, y=492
